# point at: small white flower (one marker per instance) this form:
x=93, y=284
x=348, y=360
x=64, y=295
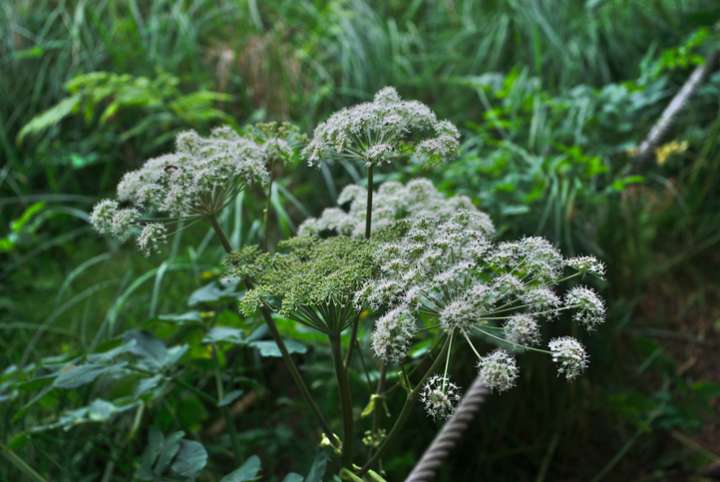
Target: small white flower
x=103, y=214
x=589, y=308
x=498, y=370
x=570, y=355
x=393, y=334
x=522, y=329
x=587, y=264
x=542, y=301
x=151, y=238
x=439, y=397
x=123, y=222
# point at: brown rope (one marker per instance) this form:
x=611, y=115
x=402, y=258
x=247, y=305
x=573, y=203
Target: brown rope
x=450, y=434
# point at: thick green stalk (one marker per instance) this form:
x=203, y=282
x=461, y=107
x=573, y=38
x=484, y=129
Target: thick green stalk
x=405, y=411
x=220, y=234
x=345, y=400
x=353, y=339
x=368, y=212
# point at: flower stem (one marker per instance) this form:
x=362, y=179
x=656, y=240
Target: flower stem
x=266, y=217
x=368, y=213
x=220, y=234
x=405, y=411
x=345, y=400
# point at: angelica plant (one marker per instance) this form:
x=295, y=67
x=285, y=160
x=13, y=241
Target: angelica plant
x=420, y=264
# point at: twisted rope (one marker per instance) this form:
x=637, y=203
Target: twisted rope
x=450, y=434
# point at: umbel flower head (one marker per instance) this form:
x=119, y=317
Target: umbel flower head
x=439, y=397
x=195, y=181
x=385, y=129
x=308, y=280
x=393, y=205
x=281, y=142
x=438, y=265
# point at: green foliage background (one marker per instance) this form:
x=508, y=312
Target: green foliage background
x=551, y=97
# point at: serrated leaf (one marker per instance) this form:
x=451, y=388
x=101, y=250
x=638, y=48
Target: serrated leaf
x=170, y=448
x=190, y=316
x=247, y=472
x=98, y=411
x=212, y=292
x=153, y=351
x=270, y=348
x=147, y=385
x=190, y=460
x=156, y=439
x=79, y=375
x=224, y=334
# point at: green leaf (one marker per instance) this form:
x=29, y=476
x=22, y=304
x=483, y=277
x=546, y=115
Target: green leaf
x=147, y=385
x=98, y=411
x=270, y=348
x=170, y=448
x=153, y=351
x=247, y=472
x=171, y=456
x=212, y=292
x=79, y=375
x=190, y=460
x=190, y=316
x=155, y=443
x=50, y=117
x=225, y=334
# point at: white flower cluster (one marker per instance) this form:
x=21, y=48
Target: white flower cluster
x=195, y=181
x=382, y=130
x=439, y=397
x=438, y=263
x=498, y=370
x=393, y=202
x=570, y=355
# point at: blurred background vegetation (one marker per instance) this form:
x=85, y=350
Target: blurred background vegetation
x=552, y=96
